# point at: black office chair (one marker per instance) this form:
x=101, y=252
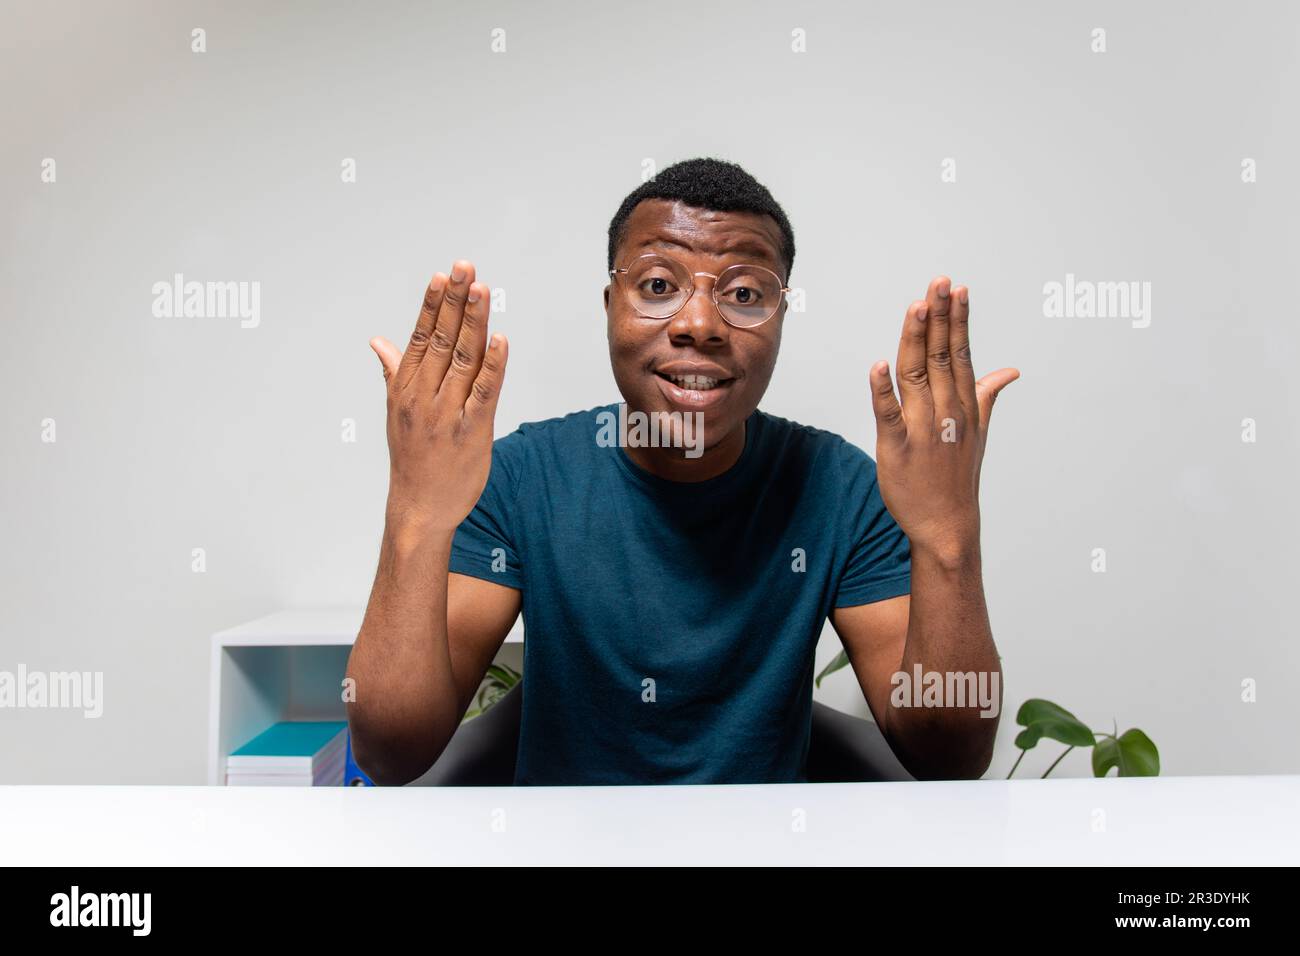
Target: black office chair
x=482, y=752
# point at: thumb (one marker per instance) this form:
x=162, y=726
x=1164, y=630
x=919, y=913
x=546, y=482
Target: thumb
x=389, y=356
x=987, y=388
x=890, y=425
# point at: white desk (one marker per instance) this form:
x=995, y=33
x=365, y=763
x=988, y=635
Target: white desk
x=1132, y=821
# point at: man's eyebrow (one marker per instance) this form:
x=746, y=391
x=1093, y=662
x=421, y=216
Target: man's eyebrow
x=743, y=247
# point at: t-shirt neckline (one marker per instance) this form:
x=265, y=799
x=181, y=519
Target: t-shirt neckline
x=739, y=470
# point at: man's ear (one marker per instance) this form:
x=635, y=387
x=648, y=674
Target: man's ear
x=606, y=298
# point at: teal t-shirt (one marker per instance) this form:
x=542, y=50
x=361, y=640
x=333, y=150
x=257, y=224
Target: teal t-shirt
x=670, y=627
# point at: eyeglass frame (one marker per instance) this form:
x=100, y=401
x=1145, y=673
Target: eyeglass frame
x=713, y=291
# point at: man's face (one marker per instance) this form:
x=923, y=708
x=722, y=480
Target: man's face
x=646, y=354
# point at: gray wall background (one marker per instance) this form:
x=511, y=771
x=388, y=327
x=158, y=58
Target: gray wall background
x=183, y=433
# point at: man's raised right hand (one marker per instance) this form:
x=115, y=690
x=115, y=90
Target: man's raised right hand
x=442, y=398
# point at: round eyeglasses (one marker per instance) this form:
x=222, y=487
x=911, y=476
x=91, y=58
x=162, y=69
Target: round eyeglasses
x=658, y=287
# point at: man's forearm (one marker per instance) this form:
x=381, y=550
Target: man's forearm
x=406, y=705
x=948, y=634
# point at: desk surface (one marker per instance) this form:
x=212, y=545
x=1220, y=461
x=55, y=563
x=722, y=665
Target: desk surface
x=1130, y=821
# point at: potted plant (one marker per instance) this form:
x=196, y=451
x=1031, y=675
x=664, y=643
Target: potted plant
x=1131, y=754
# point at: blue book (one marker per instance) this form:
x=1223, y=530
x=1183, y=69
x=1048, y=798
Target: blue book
x=354, y=776
x=292, y=745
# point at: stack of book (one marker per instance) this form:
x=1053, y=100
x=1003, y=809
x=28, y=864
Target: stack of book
x=292, y=753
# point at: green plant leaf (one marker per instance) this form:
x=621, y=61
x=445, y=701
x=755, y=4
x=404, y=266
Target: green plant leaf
x=502, y=675
x=841, y=660
x=1041, y=718
x=498, y=679
x=1132, y=752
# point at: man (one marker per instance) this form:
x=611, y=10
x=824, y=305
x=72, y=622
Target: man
x=674, y=594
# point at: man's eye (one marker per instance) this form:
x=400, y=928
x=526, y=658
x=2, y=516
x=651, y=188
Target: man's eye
x=743, y=295
x=657, y=285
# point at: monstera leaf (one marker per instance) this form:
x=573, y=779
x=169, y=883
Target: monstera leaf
x=1132, y=752
x=1042, y=718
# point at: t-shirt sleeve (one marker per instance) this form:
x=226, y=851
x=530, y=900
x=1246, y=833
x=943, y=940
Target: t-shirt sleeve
x=485, y=544
x=880, y=556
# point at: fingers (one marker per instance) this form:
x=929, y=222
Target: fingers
x=446, y=330
x=913, y=379
x=467, y=353
x=963, y=371
x=482, y=403
x=938, y=346
x=390, y=357
x=987, y=390
x=419, y=343
x=890, y=426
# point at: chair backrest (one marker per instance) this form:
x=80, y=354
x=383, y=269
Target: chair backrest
x=482, y=752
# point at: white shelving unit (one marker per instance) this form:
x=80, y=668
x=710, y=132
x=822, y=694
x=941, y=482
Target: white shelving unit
x=285, y=666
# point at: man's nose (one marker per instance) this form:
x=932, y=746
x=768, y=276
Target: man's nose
x=698, y=320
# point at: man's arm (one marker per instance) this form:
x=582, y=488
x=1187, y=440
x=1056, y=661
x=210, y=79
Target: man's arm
x=415, y=679
x=942, y=626
x=427, y=637
x=929, y=451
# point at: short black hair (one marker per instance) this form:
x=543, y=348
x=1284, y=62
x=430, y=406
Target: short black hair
x=706, y=183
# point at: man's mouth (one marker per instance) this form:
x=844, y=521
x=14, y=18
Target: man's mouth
x=696, y=383
x=693, y=390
